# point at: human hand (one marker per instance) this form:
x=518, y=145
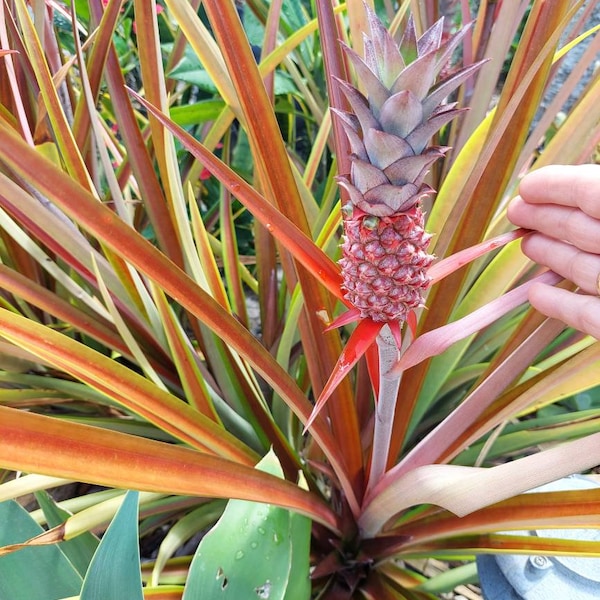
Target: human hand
x=561, y=204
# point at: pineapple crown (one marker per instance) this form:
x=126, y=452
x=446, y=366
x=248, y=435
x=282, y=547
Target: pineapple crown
x=389, y=128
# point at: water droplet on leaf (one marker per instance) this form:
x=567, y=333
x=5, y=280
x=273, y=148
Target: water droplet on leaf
x=264, y=591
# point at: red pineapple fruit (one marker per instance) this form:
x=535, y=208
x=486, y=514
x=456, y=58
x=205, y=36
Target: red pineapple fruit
x=385, y=258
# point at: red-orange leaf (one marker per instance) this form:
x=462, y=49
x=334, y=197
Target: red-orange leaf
x=38, y=444
x=303, y=249
x=358, y=343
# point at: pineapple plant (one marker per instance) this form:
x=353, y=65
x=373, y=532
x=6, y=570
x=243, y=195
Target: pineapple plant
x=180, y=413
x=385, y=261
x=389, y=127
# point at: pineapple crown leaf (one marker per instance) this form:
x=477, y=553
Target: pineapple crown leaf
x=387, y=61
x=395, y=198
x=431, y=40
x=382, y=199
x=419, y=137
x=412, y=168
x=444, y=52
x=444, y=88
x=390, y=125
x=386, y=199
x=354, y=195
x=384, y=72
x=359, y=105
x=382, y=54
x=357, y=146
x=417, y=77
x=378, y=92
x=384, y=148
x=409, y=48
x=348, y=120
x=406, y=104
x=366, y=175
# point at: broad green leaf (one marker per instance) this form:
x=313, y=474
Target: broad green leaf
x=115, y=569
x=78, y=550
x=250, y=552
x=299, y=585
x=37, y=572
x=200, y=518
x=190, y=71
x=199, y=112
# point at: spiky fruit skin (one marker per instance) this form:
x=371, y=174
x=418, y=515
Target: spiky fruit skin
x=384, y=264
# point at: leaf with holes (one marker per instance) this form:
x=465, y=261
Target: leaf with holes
x=254, y=551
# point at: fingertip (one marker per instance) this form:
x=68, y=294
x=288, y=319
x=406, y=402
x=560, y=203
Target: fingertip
x=538, y=292
x=546, y=299
x=577, y=310
x=516, y=212
x=514, y=204
x=531, y=182
x=567, y=185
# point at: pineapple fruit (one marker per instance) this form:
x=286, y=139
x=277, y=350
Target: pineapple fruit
x=385, y=259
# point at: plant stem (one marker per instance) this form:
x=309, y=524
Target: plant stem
x=386, y=404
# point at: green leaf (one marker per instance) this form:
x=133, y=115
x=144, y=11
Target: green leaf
x=36, y=572
x=189, y=70
x=254, y=551
x=82, y=10
x=299, y=585
x=199, y=112
x=79, y=550
x=192, y=73
x=446, y=581
x=254, y=29
x=115, y=569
